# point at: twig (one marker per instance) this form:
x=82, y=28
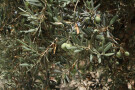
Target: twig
x=76, y=5
x=44, y=53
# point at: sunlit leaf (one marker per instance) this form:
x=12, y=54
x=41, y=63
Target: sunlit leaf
x=24, y=64
x=108, y=54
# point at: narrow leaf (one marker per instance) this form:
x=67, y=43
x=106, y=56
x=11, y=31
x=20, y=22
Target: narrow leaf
x=109, y=54
x=72, y=47
x=77, y=51
x=107, y=47
x=113, y=19
x=91, y=57
x=24, y=64
x=22, y=42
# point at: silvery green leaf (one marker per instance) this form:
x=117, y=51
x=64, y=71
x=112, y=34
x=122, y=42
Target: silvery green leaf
x=67, y=78
x=91, y=57
x=57, y=71
x=108, y=34
x=99, y=58
x=24, y=64
x=72, y=47
x=92, y=3
x=34, y=2
x=109, y=54
x=97, y=7
x=94, y=50
x=22, y=42
x=108, y=47
x=77, y=51
x=104, y=19
x=56, y=19
x=56, y=23
x=30, y=30
x=26, y=14
x=26, y=48
x=22, y=9
x=27, y=7
x=113, y=19
x=100, y=49
x=100, y=37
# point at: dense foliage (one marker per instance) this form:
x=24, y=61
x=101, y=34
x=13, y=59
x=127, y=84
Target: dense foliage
x=67, y=44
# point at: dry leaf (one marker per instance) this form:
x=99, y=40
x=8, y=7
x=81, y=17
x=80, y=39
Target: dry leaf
x=54, y=48
x=77, y=28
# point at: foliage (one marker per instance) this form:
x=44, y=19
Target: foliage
x=33, y=32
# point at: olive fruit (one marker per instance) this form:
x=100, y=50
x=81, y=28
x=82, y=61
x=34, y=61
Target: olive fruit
x=98, y=19
x=95, y=30
x=118, y=54
x=68, y=46
x=117, y=63
x=127, y=53
x=63, y=46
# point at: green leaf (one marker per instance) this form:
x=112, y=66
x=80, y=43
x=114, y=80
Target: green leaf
x=92, y=3
x=72, y=47
x=113, y=19
x=24, y=65
x=57, y=23
x=27, y=7
x=109, y=45
x=22, y=9
x=100, y=37
x=100, y=49
x=99, y=58
x=91, y=57
x=97, y=7
x=75, y=39
x=77, y=51
x=30, y=30
x=22, y=42
x=26, y=14
x=56, y=19
x=109, y=54
x=35, y=2
x=26, y=48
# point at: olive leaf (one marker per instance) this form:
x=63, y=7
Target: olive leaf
x=30, y=30
x=113, y=19
x=108, y=46
x=99, y=58
x=35, y=2
x=91, y=57
x=24, y=65
x=26, y=48
x=77, y=51
x=22, y=42
x=72, y=47
x=108, y=54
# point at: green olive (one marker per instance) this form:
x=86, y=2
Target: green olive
x=98, y=19
x=118, y=54
x=95, y=30
x=127, y=53
x=68, y=46
x=63, y=46
x=117, y=63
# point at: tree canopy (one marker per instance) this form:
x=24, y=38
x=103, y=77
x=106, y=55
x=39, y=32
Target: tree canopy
x=67, y=44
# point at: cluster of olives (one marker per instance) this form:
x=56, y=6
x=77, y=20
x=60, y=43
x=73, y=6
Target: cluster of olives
x=65, y=46
x=119, y=54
